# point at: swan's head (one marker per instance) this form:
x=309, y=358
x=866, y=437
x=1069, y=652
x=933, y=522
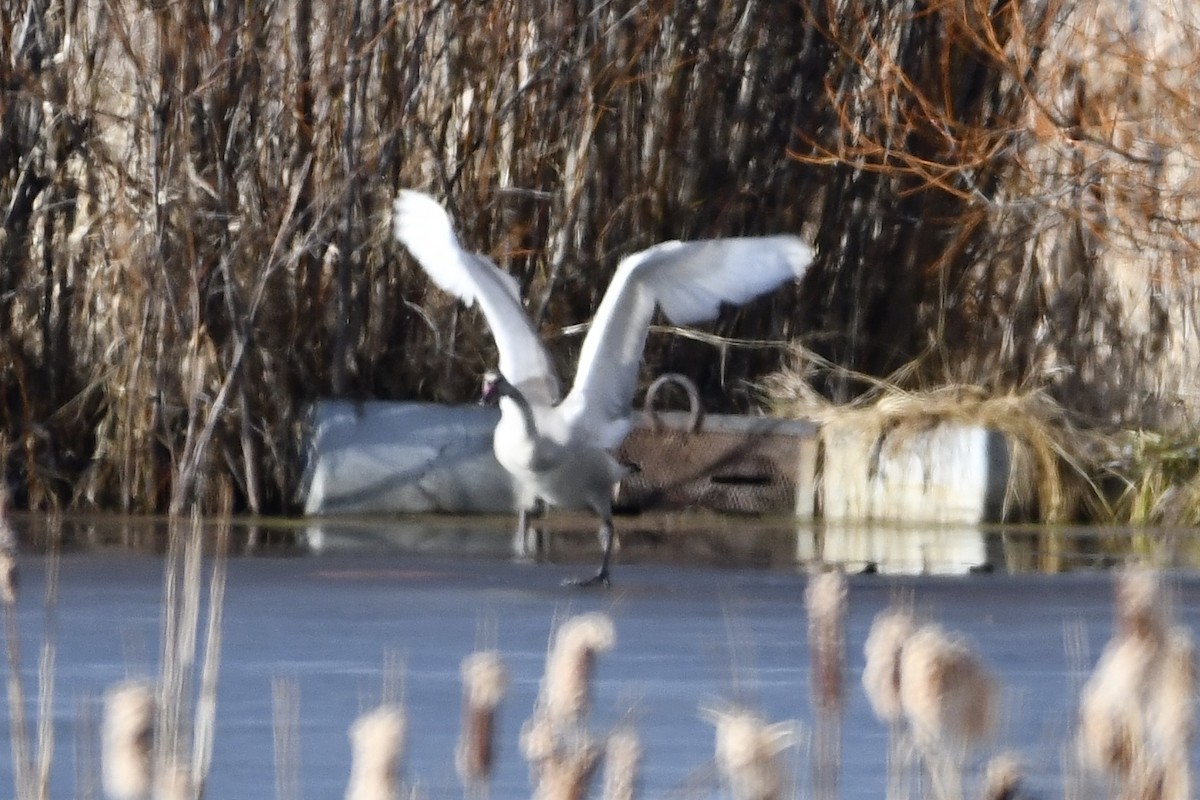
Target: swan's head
x=494, y=387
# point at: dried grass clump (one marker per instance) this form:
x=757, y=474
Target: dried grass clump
x=377, y=744
x=484, y=682
x=127, y=741
x=1050, y=460
x=1137, y=710
x=747, y=753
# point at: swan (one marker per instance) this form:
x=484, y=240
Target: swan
x=558, y=448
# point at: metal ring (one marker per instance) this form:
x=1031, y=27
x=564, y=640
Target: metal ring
x=688, y=386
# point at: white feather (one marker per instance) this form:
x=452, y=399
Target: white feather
x=566, y=460
x=421, y=224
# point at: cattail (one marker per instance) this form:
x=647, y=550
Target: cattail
x=127, y=741
x=1112, y=722
x=377, y=742
x=1172, y=714
x=825, y=599
x=1002, y=779
x=947, y=696
x=484, y=682
x=567, y=775
x=622, y=760
x=747, y=751
x=1140, y=607
x=890, y=629
x=566, y=688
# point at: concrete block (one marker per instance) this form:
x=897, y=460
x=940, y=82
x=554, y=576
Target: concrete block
x=947, y=474
x=385, y=457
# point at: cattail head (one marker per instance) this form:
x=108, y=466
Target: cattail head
x=1140, y=608
x=484, y=682
x=1112, y=714
x=127, y=741
x=946, y=693
x=881, y=675
x=1002, y=778
x=377, y=742
x=622, y=760
x=566, y=687
x=747, y=751
x=568, y=774
x=825, y=599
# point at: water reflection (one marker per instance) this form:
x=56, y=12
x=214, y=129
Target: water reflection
x=684, y=539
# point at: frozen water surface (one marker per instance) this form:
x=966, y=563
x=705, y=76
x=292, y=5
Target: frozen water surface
x=686, y=637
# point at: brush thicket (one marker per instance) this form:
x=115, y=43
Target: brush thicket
x=377, y=746
x=484, y=681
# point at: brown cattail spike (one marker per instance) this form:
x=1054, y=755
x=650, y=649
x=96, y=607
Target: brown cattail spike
x=484, y=682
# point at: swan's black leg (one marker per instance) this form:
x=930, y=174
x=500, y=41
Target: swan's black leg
x=601, y=578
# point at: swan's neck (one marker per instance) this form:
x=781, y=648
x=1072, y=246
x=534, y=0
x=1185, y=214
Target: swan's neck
x=513, y=401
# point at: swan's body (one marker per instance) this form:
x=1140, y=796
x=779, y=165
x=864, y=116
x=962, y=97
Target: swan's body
x=558, y=449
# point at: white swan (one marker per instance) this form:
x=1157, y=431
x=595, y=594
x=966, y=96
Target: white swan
x=558, y=449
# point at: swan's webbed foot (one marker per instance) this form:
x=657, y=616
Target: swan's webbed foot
x=601, y=578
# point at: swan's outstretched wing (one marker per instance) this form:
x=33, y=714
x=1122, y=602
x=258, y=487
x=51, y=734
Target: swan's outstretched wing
x=690, y=280
x=420, y=223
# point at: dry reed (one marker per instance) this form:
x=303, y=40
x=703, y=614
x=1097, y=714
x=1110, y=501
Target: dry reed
x=193, y=244
x=377, y=744
x=8, y=553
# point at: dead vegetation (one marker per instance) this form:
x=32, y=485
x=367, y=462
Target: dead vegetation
x=194, y=240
